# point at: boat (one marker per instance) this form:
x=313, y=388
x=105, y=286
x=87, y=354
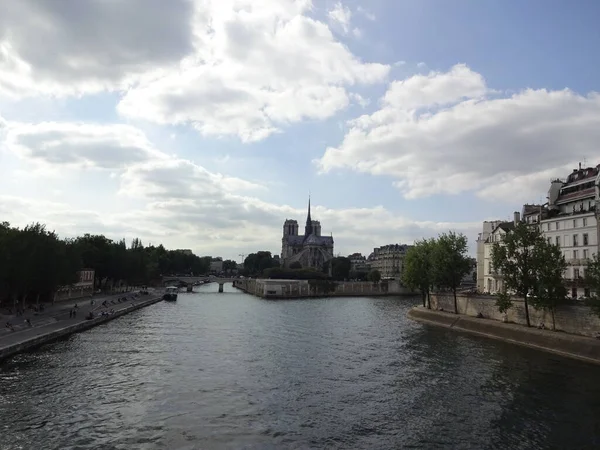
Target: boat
x=170, y=294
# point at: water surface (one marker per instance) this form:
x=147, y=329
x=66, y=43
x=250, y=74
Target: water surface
x=232, y=371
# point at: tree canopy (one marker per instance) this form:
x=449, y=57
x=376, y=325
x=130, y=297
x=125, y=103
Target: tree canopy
x=527, y=262
x=256, y=263
x=35, y=262
x=450, y=262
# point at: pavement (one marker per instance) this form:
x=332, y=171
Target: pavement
x=57, y=315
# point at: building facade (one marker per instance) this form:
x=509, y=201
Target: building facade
x=488, y=228
x=571, y=223
x=310, y=250
x=568, y=220
x=389, y=260
x=359, y=263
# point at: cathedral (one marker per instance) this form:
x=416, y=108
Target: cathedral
x=311, y=250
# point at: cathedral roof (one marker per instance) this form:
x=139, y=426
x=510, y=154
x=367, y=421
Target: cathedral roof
x=312, y=239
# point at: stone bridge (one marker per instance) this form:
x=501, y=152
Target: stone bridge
x=192, y=280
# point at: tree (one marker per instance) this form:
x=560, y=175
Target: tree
x=256, y=263
x=340, y=267
x=549, y=290
x=592, y=280
x=374, y=276
x=450, y=262
x=417, y=273
x=296, y=265
x=229, y=266
x=516, y=260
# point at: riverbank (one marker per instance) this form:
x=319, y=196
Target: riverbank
x=28, y=339
x=297, y=289
x=571, y=346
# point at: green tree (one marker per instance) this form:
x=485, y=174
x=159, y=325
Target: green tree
x=256, y=263
x=374, y=276
x=516, y=260
x=340, y=267
x=450, y=262
x=592, y=280
x=549, y=290
x=296, y=265
x=229, y=266
x=418, y=271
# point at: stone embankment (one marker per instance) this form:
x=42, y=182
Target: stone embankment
x=296, y=289
x=568, y=345
x=28, y=339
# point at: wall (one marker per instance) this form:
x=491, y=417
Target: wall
x=301, y=288
x=574, y=319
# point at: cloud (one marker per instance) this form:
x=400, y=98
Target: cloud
x=364, y=12
x=340, y=16
x=257, y=70
x=449, y=133
x=80, y=145
x=72, y=47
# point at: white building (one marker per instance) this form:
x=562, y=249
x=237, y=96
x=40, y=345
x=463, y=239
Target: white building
x=389, y=260
x=571, y=223
x=488, y=228
x=492, y=281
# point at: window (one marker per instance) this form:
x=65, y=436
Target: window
x=586, y=254
x=575, y=254
x=586, y=292
x=549, y=240
x=557, y=239
x=574, y=292
x=575, y=240
x=585, y=221
x=557, y=225
x=574, y=223
x=575, y=273
x=585, y=239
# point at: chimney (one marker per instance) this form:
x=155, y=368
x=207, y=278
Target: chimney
x=517, y=217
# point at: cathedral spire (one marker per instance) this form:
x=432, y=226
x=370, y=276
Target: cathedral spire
x=308, y=228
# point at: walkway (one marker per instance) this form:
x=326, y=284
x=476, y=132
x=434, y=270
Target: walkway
x=57, y=316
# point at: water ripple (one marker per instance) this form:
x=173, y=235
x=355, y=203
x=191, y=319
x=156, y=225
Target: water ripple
x=232, y=371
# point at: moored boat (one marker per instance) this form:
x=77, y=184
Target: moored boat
x=170, y=294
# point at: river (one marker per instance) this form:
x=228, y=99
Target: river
x=232, y=371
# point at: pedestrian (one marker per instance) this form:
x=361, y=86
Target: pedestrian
x=70, y=313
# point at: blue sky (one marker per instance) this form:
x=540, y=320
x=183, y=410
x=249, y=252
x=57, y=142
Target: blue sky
x=207, y=127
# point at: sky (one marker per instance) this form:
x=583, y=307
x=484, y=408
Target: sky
x=205, y=124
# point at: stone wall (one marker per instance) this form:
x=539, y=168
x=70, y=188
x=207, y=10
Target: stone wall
x=295, y=289
x=574, y=319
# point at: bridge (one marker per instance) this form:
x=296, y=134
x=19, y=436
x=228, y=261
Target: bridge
x=192, y=280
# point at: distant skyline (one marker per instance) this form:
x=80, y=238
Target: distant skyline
x=206, y=124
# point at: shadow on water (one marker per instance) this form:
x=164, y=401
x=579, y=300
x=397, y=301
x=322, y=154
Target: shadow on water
x=234, y=371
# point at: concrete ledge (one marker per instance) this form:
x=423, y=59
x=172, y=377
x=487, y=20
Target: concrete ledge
x=568, y=345
x=31, y=343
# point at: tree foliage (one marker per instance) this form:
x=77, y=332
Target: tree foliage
x=374, y=276
x=417, y=273
x=256, y=263
x=592, y=280
x=450, y=262
x=35, y=262
x=530, y=267
x=340, y=268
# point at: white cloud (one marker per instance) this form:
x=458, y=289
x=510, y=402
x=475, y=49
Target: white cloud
x=341, y=16
x=448, y=133
x=258, y=69
x=364, y=12
x=80, y=145
x=72, y=47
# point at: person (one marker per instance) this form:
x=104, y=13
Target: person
x=28, y=322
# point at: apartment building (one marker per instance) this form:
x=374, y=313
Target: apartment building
x=389, y=259
x=359, y=263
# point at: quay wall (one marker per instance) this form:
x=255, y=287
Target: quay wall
x=34, y=342
x=568, y=345
x=268, y=288
x=573, y=319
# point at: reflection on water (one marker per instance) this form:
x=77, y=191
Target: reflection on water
x=233, y=371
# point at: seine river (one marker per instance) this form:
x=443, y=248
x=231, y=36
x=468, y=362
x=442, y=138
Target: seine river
x=232, y=371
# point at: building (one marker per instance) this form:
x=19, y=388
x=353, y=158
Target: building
x=359, y=263
x=84, y=287
x=488, y=228
x=389, y=260
x=567, y=220
x=185, y=251
x=216, y=266
x=492, y=281
x=310, y=250
x=570, y=222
